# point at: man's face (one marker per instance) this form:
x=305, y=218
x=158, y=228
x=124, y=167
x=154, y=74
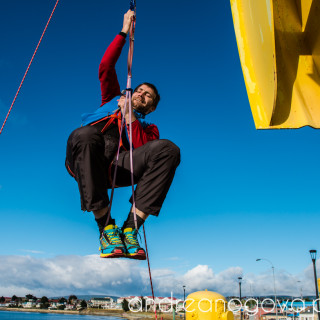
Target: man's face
x=143, y=99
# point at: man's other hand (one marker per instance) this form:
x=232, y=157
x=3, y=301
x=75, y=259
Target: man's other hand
x=127, y=20
x=121, y=103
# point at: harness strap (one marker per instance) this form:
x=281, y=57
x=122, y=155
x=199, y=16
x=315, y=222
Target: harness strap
x=120, y=126
x=104, y=118
x=108, y=123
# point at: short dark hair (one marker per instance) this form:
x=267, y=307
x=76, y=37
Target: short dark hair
x=155, y=90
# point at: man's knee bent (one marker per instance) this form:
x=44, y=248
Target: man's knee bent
x=167, y=148
x=86, y=135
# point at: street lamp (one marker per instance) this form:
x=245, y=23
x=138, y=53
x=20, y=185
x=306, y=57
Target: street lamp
x=313, y=254
x=274, y=285
x=250, y=283
x=184, y=301
x=300, y=289
x=239, y=279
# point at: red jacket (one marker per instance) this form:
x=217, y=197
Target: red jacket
x=141, y=132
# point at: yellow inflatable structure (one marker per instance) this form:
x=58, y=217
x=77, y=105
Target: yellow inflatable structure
x=207, y=305
x=279, y=48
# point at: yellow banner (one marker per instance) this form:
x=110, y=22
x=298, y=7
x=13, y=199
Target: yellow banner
x=279, y=48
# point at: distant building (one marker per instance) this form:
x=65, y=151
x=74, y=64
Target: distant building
x=70, y=307
x=104, y=303
x=308, y=314
x=55, y=304
x=29, y=304
x=6, y=303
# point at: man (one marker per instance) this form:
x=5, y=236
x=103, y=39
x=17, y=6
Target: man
x=92, y=148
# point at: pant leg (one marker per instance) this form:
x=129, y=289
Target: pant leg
x=154, y=166
x=88, y=164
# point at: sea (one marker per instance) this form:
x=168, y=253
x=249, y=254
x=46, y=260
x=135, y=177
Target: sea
x=12, y=315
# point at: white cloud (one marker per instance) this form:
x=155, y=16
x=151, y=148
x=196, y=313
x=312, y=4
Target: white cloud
x=32, y=251
x=203, y=277
x=64, y=275
x=173, y=259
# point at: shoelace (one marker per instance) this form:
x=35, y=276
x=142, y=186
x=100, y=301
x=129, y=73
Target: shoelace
x=113, y=236
x=132, y=238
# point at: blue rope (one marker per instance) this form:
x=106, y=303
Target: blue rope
x=132, y=5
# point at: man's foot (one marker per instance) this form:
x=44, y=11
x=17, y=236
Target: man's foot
x=130, y=240
x=111, y=245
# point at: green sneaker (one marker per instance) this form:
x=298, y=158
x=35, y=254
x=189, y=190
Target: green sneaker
x=134, y=251
x=111, y=245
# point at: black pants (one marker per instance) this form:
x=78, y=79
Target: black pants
x=90, y=153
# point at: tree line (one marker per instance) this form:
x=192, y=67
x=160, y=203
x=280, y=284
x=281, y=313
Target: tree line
x=44, y=301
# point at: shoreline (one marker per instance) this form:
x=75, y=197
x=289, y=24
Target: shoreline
x=95, y=312
x=40, y=310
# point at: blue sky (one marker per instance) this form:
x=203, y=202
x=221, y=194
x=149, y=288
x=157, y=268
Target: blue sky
x=239, y=194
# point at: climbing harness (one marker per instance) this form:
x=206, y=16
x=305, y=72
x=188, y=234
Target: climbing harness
x=22, y=81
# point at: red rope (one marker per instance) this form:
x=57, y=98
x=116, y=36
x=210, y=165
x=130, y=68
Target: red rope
x=128, y=98
x=14, y=100
x=130, y=56
x=131, y=46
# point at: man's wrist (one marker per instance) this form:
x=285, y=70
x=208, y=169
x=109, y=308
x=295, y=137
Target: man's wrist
x=123, y=34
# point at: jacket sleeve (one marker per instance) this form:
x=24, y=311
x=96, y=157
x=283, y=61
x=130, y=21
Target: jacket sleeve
x=141, y=135
x=107, y=72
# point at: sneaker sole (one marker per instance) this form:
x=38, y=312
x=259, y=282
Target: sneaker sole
x=113, y=255
x=117, y=254
x=136, y=256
